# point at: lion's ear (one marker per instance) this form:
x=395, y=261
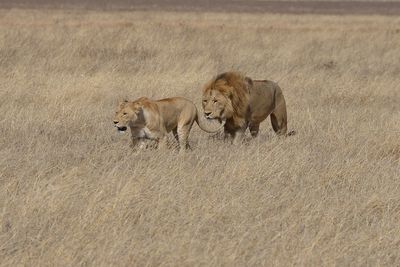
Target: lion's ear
x=249, y=81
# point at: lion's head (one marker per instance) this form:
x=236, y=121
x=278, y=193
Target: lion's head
x=226, y=97
x=128, y=114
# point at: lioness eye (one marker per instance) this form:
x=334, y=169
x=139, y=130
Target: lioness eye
x=124, y=113
x=215, y=101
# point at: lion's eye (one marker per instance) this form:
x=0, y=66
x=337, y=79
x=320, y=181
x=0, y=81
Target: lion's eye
x=124, y=113
x=215, y=101
x=205, y=101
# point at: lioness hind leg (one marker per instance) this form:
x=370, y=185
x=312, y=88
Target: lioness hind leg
x=176, y=135
x=175, y=132
x=183, y=135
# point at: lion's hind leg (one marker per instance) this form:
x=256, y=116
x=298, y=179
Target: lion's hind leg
x=279, y=122
x=254, y=129
x=279, y=117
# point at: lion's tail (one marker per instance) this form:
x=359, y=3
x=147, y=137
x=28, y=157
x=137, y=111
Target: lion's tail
x=207, y=125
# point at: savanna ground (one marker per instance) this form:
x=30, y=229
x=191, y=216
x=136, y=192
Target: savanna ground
x=73, y=193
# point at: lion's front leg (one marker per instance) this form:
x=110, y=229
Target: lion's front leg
x=238, y=137
x=227, y=134
x=235, y=136
x=163, y=142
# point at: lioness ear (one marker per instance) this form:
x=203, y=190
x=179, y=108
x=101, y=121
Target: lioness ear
x=138, y=108
x=122, y=104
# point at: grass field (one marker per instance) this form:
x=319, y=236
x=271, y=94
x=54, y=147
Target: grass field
x=73, y=193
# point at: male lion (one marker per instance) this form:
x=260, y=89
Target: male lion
x=153, y=119
x=242, y=102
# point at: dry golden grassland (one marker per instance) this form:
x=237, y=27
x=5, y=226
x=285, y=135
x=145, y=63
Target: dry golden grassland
x=73, y=193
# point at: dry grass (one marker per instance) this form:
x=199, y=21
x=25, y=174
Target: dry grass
x=73, y=193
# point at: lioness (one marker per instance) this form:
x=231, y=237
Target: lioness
x=242, y=102
x=153, y=119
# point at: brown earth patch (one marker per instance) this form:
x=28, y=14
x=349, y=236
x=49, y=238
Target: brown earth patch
x=290, y=7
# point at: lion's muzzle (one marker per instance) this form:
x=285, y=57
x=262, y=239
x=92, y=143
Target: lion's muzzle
x=208, y=115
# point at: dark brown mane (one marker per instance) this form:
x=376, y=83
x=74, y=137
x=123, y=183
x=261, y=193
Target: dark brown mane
x=234, y=86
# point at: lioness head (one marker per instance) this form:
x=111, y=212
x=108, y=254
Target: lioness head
x=127, y=114
x=226, y=96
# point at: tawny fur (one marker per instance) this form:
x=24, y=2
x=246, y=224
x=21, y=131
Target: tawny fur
x=244, y=103
x=154, y=119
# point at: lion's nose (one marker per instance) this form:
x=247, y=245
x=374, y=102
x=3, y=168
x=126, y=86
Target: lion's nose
x=207, y=114
x=115, y=122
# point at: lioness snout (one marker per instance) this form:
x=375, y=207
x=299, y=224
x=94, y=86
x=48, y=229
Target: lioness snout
x=207, y=114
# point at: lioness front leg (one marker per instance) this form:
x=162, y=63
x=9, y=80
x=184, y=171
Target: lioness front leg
x=183, y=135
x=138, y=143
x=134, y=142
